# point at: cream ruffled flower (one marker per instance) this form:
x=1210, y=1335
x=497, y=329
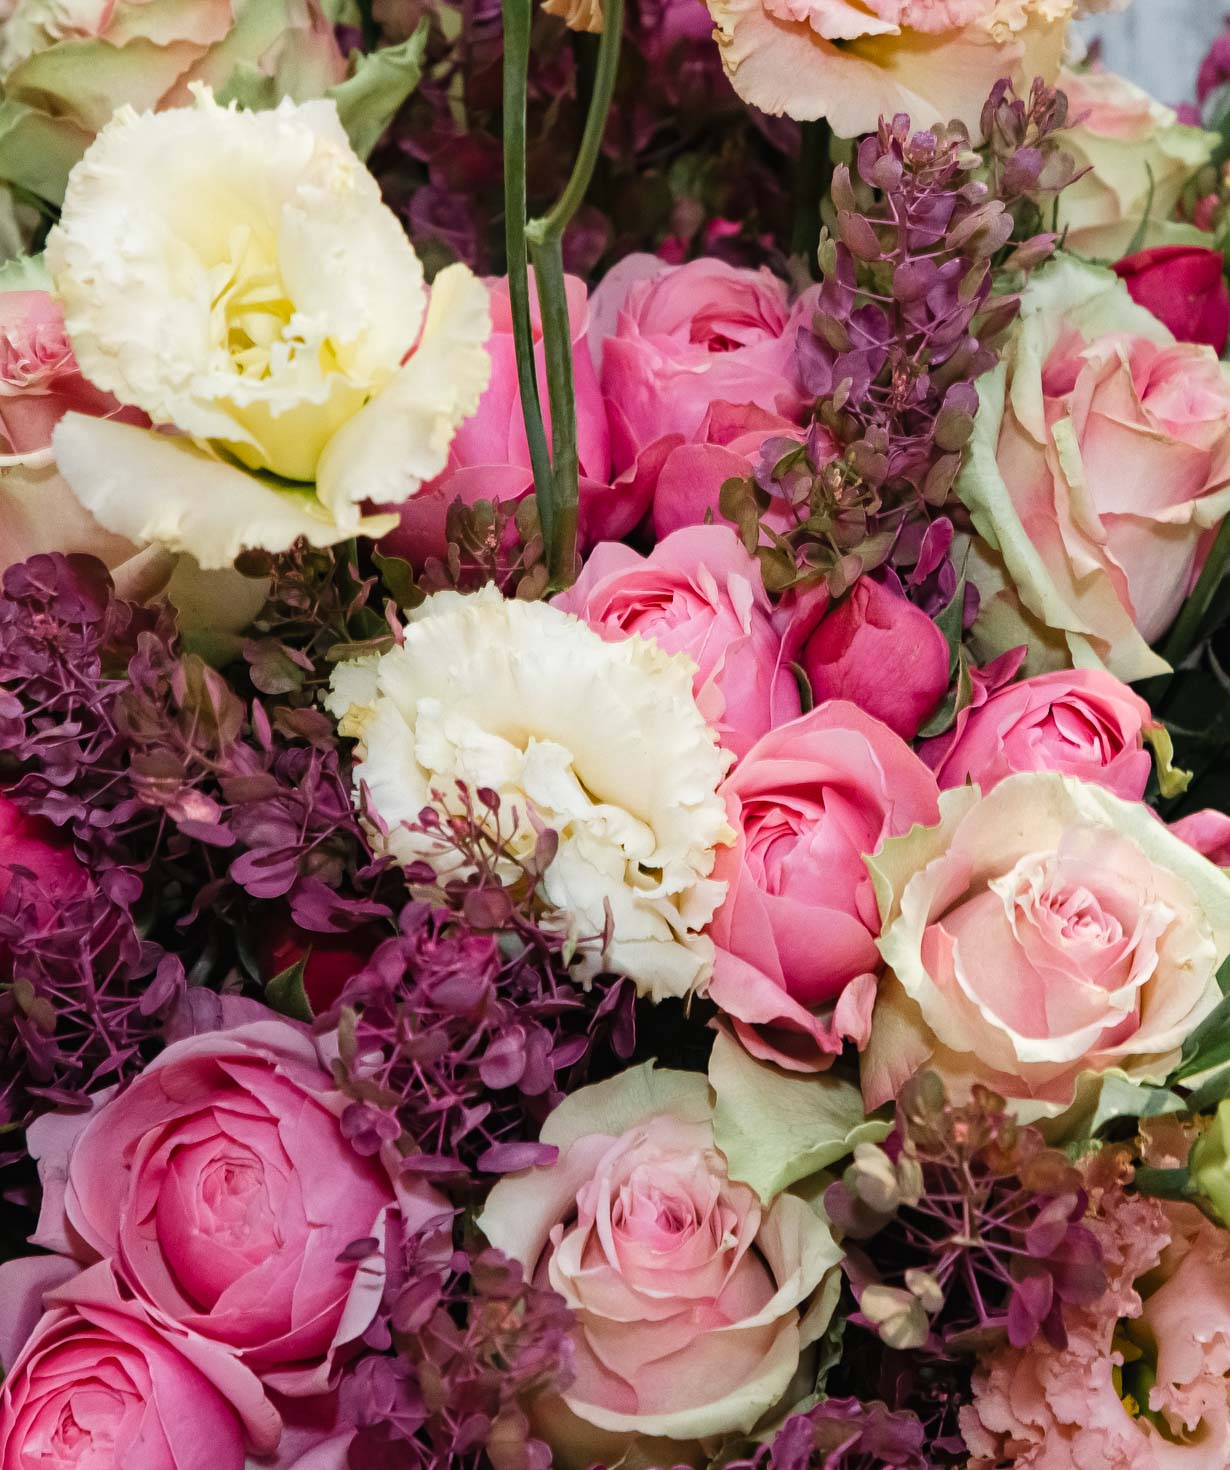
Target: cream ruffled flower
x=237, y=276
x=601, y=741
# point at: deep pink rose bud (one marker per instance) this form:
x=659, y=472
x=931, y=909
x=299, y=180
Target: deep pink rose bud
x=873, y=648
x=1184, y=286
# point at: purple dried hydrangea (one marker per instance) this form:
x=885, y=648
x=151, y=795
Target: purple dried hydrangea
x=844, y=1434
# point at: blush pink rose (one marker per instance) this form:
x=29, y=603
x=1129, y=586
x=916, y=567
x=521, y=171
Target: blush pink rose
x=691, y=1296
x=873, y=648
x=1208, y=832
x=99, y=1383
x=1081, y=722
x=221, y=1185
x=490, y=459
x=699, y=592
x=797, y=931
x=682, y=338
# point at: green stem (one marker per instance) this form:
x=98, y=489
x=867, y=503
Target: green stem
x=1186, y=630
x=518, y=18
x=811, y=180
x=557, y=348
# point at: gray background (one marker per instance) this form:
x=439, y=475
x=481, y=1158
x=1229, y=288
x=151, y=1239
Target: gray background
x=1160, y=43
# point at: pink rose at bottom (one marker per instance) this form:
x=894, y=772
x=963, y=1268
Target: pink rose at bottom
x=695, y=1303
x=100, y=1385
x=698, y=592
x=797, y=931
x=222, y=1185
x=1144, y=1381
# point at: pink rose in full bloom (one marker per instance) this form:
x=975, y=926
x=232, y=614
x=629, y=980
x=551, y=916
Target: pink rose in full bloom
x=675, y=340
x=99, y=1382
x=231, y=1229
x=691, y=1296
x=1040, y=932
x=1208, y=832
x=1082, y=722
x=873, y=648
x=698, y=592
x=1099, y=465
x=1184, y=286
x=1143, y=1382
x=798, y=927
x=490, y=459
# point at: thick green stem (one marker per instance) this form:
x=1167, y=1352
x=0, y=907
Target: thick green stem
x=518, y=18
x=557, y=348
x=811, y=181
x=1186, y=630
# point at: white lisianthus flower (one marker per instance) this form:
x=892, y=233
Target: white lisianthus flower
x=238, y=277
x=602, y=742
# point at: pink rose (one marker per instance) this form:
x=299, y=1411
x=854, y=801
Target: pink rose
x=798, y=928
x=686, y=337
x=33, y=844
x=1208, y=832
x=1184, y=286
x=1082, y=722
x=222, y=1186
x=490, y=458
x=873, y=648
x=699, y=593
x=99, y=1383
x=691, y=1296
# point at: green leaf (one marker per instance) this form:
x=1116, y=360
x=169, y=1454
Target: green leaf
x=380, y=83
x=1171, y=780
x=398, y=578
x=957, y=699
x=950, y=621
x=287, y=995
x=1209, y=1044
x=777, y=1127
x=1120, y=1098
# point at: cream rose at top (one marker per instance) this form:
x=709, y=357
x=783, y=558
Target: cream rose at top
x=694, y=1300
x=601, y=741
x=237, y=276
x=1039, y=932
x=854, y=61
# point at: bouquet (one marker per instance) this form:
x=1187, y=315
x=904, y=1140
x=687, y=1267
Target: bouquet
x=614, y=729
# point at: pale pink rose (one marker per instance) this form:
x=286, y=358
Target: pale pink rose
x=699, y=592
x=1208, y=832
x=691, y=1296
x=490, y=458
x=873, y=648
x=855, y=62
x=797, y=931
x=689, y=336
x=1100, y=463
x=1142, y=1383
x=222, y=1186
x=1041, y=932
x=1082, y=722
x=99, y=1382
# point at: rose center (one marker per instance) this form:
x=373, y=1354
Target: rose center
x=235, y=1204
x=85, y=1431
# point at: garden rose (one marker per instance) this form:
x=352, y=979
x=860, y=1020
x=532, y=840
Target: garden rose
x=98, y=1383
x=318, y=379
x=873, y=648
x=699, y=592
x=1143, y=1378
x=1042, y=931
x=694, y=1301
x=798, y=927
x=35, y=845
x=600, y=741
x=1100, y=459
x=855, y=62
x=689, y=336
x=1184, y=286
x=1082, y=722
x=489, y=458
x=1208, y=832
x=66, y=67
x=1132, y=155
x=222, y=1186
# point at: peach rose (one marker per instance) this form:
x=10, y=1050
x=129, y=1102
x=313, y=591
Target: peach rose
x=1100, y=461
x=1040, y=932
x=695, y=1302
x=854, y=62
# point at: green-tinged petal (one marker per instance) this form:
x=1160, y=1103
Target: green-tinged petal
x=381, y=82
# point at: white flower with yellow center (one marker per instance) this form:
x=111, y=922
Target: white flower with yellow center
x=602, y=742
x=238, y=277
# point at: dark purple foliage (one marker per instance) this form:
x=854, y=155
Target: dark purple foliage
x=843, y=1434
